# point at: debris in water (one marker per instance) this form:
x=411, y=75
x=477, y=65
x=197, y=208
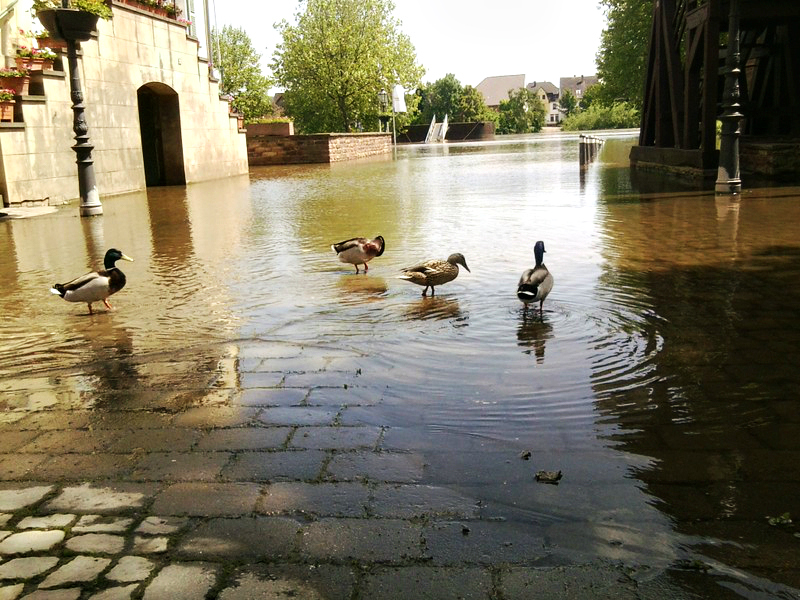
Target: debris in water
x=526, y=455
x=548, y=477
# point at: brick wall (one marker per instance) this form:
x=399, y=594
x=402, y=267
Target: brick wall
x=318, y=148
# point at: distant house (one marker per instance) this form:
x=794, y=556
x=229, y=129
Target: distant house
x=548, y=93
x=578, y=85
x=495, y=89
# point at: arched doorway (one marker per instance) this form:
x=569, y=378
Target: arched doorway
x=160, y=125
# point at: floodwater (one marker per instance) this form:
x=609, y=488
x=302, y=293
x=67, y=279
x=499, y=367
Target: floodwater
x=662, y=378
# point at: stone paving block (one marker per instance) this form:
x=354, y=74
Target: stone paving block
x=320, y=379
x=245, y=438
x=207, y=499
x=309, y=582
x=261, y=380
x=130, y=420
x=16, y=467
x=79, y=569
x=601, y=582
x=4, y=534
x=131, y=568
x=150, y=545
x=11, y=592
x=5, y=518
x=120, y=497
x=101, y=524
x=376, y=466
x=180, y=581
x=339, y=438
x=431, y=583
x=116, y=593
x=322, y=499
x=205, y=417
x=46, y=522
x=181, y=466
x=63, y=594
x=27, y=567
x=411, y=501
x=96, y=543
x=276, y=397
x=174, y=439
x=161, y=525
x=483, y=542
x=71, y=441
x=57, y=419
x=299, y=415
x=373, y=540
x=298, y=364
x=11, y=441
x=81, y=467
x=245, y=538
x=14, y=499
x=31, y=541
x=341, y=396
x=276, y=466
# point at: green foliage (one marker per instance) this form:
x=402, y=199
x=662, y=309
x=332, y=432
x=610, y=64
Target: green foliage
x=241, y=73
x=568, y=102
x=620, y=115
x=446, y=96
x=96, y=7
x=472, y=108
x=622, y=57
x=523, y=112
x=590, y=96
x=336, y=58
x=6, y=95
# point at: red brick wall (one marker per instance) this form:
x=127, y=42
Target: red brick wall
x=318, y=148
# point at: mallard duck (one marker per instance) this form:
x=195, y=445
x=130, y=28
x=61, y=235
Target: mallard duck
x=359, y=251
x=97, y=285
x=535, y=283
x=435, y=272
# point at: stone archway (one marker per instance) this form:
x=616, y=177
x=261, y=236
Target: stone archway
x=160, y=126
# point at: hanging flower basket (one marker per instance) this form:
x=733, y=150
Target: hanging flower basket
x=68, y=23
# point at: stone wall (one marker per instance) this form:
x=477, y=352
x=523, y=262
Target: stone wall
x=134, y=50
x=318, y=148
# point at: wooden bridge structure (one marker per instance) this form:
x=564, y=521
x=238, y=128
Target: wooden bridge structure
x=692, y=53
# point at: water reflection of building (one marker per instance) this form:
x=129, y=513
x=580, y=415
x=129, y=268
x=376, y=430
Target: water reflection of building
x=153, y=108
x=705, y=296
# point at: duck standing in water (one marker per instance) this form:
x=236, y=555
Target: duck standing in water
x=535, y=283
x=359, y=251
x=435, y=272
x=97, y=285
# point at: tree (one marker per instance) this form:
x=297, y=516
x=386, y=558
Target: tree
x=622, y=57
x=472, y=107
x=440, y=98
x=335, y=60
x=523, y=112
x=568, y=102
x=241, y=74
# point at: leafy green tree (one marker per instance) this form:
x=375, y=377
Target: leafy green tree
x=620, y=115
x=241, y=74
x=472, y=107
x=568, y=102
x=440, y=98
x=523, y=112
x=335, y=60
x=622, y=57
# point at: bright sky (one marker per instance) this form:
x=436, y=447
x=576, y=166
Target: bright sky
x=542, y=39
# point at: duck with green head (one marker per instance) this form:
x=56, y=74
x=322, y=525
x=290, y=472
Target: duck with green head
x=97, y=285
x=536, y=283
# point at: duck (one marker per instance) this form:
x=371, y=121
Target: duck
x=97, y=285
x=536, y=283
x=359, y=250
x=435, y=272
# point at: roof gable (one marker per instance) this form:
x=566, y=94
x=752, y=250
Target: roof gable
x=495, y=89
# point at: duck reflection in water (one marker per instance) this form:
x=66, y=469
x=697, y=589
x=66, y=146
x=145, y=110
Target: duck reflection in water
x=532, y=334
x=436, y=307
x=357, y=290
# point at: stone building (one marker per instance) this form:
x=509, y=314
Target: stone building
x=153, y=109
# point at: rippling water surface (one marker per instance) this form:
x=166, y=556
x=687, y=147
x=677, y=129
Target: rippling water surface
x=667, y=352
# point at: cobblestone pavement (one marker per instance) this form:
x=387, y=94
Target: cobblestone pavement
x=259, y=472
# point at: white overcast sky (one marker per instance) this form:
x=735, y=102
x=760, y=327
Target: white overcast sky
x=542, y=39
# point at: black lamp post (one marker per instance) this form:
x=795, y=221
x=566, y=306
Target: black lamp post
x=75, y=26
x=383, y=99
x=728, y=178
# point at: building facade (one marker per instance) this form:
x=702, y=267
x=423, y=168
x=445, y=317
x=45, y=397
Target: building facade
x=153, y=109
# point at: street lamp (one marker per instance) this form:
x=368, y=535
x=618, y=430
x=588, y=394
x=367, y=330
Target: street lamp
x=75, y=26
x=383, y=99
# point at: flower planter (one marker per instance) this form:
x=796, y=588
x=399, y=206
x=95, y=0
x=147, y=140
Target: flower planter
x=52, y=43
x=34, y=64
x=7, y=111
x=18, y=84
x=68, y=24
